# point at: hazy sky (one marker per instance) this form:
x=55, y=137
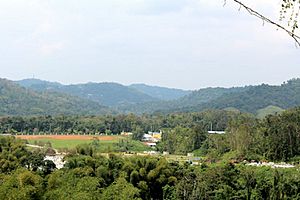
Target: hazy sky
x=176, y=43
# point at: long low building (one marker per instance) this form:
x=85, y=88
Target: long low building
x=216, y=132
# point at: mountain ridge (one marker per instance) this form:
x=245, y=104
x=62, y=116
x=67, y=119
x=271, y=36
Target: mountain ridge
x=162, y=93
x=18, y=100
x=245, y=99
x=108, y=93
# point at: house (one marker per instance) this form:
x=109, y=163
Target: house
x=126, y=133
x=147, y=137
x=216, y=132
x=156, y=135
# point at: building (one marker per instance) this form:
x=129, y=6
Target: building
x=126, y=133
x=156, y=135
x=216, y=132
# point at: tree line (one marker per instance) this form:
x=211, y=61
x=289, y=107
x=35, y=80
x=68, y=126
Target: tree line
x=113, y=124
x=274, y=138
x=90, y=176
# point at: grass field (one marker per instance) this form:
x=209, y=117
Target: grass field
x=69, y=144
x=105, y=143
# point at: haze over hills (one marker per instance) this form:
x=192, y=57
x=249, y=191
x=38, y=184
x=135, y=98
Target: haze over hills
x=108, y=94
x=38, y=84
x=17, y=100
x=140, y=98
x=161, y=93
x=192, y=99
x=250, y=99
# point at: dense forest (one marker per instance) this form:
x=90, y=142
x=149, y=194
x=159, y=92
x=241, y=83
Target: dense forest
x=140, y=99
x=161, y=93
x=111, y=93
x=274, y=137
x=89, y=175
x=108, y=94
x=16, y=100
x=245, y=99
x=114, y=124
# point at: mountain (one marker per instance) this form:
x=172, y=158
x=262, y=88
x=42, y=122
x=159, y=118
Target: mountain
x=38, y=84
x=253, y=98
x=161, y=93
x=183, y=104
x=205, y=95
x=108, y=94
x=140, y=98
x=260, y=100
x=18, y=100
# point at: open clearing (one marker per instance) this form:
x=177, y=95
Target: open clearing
x=71, y=141
x=106, y=143
x=69, y=137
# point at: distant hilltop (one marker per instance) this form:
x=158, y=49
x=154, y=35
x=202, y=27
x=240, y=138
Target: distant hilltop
x=39, y=97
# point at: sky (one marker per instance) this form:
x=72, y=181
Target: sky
x=188, y=44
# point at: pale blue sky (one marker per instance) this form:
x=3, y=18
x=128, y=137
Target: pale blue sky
x=186, y=44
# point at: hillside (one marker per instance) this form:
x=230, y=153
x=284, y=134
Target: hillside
x=17, y=100
x=269, y=110
x=253, y=98
x=189, y=102
x=38, y=84
x=161, y=93
x=108, y=94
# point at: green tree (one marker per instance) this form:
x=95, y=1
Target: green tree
x=120, y=190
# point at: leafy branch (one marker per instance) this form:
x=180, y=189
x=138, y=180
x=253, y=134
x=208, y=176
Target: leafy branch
x=265, y=19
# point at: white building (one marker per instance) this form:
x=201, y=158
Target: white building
x=216, y=132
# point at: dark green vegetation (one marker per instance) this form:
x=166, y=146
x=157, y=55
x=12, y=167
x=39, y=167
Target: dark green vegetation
x=275, y=138
x=108, y=94
x=272, y=138
x=245, y=99
x=257, y=97
x=16, y=100
x=259, y=100
x=114, y=124
x=88, y=175
x=193, y=100
x=161, y=93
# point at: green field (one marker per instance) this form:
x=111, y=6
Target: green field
x=114, y=145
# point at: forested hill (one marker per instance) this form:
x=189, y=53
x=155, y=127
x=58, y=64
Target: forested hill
x=161, y=93
x=38, y=84
x=188, y=102
x=261, y=99
x=253, y=98
x=17, y=100
x=108, y=94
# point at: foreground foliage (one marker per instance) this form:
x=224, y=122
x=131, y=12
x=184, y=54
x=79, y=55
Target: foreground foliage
x=95, y=177
x=89, y=174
